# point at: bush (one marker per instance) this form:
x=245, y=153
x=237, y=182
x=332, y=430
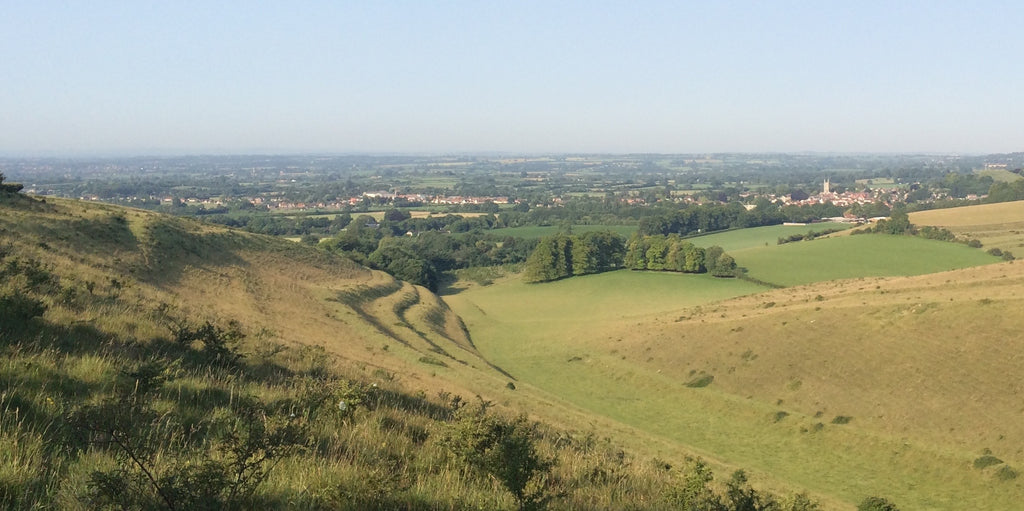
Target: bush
x=842, y=419
x=503, y=449
x=701, y=381
x=986, y=461
x=219, y=345
x=876, y=504
x=1006, y=473
x=17, y=309
x=158, y=466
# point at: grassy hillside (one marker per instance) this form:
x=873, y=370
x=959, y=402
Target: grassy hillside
x=999, y=225
x=894, y=386
x=151, y=362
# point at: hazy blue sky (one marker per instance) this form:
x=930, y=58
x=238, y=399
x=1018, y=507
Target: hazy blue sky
x=708, y=76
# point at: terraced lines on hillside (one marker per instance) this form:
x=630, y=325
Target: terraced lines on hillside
x=400, y=312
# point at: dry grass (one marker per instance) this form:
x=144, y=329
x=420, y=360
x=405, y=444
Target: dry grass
x=999, y=225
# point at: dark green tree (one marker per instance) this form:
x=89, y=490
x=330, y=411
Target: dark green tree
x=542, y=265
x=636, y=253
x=711, y=255
x=725, y=266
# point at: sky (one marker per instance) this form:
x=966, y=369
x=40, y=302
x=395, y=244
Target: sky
x=182, y=77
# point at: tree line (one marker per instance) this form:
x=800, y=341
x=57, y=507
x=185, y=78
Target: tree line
x=706, y=218
x=672, y=253
x=563, y=255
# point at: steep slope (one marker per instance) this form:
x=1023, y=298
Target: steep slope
x=282, y=291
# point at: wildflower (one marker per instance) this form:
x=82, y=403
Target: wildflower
x=342, y=405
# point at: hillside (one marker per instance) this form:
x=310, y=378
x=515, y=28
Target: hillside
x=128, y=332
x=151, y=362
x=894, y=386
x=286, y=292
x=999, y=225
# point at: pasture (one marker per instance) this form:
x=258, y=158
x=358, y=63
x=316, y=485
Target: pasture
x=999, y=175
x=755, y=237
x=845, y=257
x=757, y=380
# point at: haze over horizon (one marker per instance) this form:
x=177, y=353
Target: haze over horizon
x=106, y=78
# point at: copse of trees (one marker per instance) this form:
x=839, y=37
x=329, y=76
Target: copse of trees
x=422, y=257
x=672, y=253
x=564, y=255
x=1006, y=192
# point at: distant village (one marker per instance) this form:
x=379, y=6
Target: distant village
x=886, y=195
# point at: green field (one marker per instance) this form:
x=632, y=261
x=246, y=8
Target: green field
x=755, y=237
x=999, y=175
x=624, y=345
x=540, y=231
x=844, y=257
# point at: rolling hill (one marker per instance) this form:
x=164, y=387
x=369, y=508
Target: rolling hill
x=154, y=362
x=895, y=385
x=899, y=386
x=999, y=225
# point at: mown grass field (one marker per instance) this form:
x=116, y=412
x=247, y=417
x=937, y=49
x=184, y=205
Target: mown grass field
x=535, y=232
x=844, y=257
x=915, y=365
x=999, y=225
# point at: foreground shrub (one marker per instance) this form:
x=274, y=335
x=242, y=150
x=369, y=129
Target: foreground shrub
x=503, y=449
x=876, y=504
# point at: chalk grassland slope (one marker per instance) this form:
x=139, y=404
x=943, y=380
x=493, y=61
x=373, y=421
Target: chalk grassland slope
x=889, y=386
x=999, y=225
x=284, y=292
